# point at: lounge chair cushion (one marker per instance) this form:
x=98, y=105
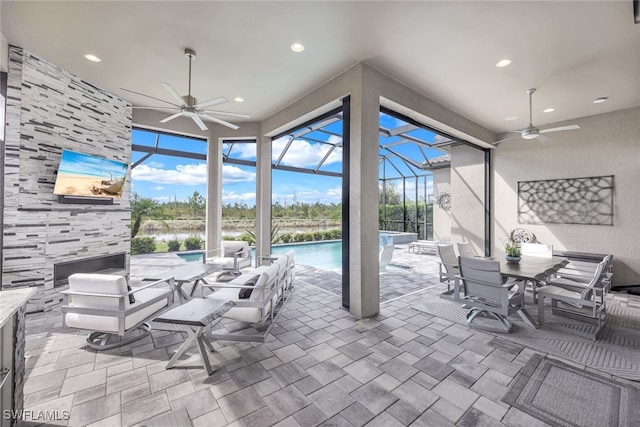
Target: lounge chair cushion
x=110, y=323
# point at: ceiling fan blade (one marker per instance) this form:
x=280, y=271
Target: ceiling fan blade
x=174, y=116
x=198, y=121
x=174, y=93
x=217, y=120
x=156, y=108
x=227, y=113
x=569, y=127
x=211, y=102
x=151, y=97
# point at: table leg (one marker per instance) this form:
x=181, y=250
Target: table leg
x=524, y=315
x=195, y=334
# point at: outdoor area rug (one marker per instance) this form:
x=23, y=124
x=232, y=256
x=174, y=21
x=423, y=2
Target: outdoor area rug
x=563, y=395
x=616, y=352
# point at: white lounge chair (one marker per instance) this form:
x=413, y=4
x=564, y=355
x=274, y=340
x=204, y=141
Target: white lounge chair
x=102, y=304
x=385, y=256
x=232, y=256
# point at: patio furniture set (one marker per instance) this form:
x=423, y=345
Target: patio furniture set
x=495, y=288
x=108, y=307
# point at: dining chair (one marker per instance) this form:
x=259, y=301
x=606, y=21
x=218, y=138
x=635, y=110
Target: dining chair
x=448, y=266
x=485, y=293
x=582, y=303
x=537, y=250
x=466, y=250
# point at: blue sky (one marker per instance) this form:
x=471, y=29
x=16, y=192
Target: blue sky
x=165, y=178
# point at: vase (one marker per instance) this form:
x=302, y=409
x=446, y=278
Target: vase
x=512, y=259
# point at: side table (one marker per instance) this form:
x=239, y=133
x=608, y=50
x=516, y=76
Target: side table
x=196, y=315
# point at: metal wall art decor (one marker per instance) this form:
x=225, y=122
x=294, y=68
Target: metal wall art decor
x=444, y=200
x=566, y=201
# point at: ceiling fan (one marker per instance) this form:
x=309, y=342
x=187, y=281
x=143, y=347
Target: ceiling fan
x=531, y=131
x=188, y=106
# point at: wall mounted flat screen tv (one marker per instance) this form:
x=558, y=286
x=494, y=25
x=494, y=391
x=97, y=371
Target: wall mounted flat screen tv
x=89, y=176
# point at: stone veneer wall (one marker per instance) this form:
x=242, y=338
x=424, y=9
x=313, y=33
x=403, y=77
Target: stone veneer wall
x=48, y=110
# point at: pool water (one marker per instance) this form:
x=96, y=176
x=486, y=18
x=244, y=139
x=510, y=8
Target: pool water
x=322, y=255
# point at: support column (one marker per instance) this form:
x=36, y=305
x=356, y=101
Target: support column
x=263, y=196
x=214, y=191
x=363, y=180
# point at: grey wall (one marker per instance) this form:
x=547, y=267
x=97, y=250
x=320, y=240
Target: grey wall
x=606, y=144
x=49, y=110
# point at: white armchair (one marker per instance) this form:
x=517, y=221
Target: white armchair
x=101, y=303
x=232, y=255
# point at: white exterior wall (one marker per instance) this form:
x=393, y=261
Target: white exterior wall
x=467, y=196
x=606, y=144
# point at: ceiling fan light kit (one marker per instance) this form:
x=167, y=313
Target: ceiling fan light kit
x=188, y=105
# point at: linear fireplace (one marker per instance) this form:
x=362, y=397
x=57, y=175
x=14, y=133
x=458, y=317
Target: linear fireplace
x=108, y=264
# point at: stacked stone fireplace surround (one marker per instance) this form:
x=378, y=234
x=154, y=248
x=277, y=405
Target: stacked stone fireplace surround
x=48, y=110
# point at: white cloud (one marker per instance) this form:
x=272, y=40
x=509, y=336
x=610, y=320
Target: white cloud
x=232, y=197
x=302, y=153
x=232, y=175
x=156, y=165
x=193, y=174
x=158, y=188
x=244, y=151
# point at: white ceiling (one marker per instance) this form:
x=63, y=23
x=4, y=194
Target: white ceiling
x=572, y=52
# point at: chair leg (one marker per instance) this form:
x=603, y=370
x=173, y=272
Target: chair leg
x=100, y=340
x=540, y=310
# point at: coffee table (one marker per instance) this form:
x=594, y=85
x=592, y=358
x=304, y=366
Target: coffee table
x=189, y=273
x=196, y=315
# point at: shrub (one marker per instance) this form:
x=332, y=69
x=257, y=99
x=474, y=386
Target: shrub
x=308, y=237
x=318, y=235
x=193, y=243
x=326, y=235
x=228, y=238
x=336, y=234
x=246, y=237
x=173, y=245
x=298, y=237
x=286, y=238
x=143, y=245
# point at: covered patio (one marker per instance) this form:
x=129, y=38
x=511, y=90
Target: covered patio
x=356, y=346
x=414, y=363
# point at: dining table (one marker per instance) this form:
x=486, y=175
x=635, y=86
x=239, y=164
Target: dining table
x=533, y=271
x=530, y=270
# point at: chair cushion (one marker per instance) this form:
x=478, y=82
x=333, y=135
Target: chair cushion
x=229, y=248
x=101, y=284
x=110, y=323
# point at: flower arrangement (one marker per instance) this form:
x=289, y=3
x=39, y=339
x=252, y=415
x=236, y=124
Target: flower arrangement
x=512, y=246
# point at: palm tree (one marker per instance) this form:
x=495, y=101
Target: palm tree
x=142, y=208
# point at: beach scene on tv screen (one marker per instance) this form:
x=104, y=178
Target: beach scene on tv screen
x=85, y=175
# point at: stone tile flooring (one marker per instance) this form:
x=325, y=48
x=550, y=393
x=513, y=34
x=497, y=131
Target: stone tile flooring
x=320, y=366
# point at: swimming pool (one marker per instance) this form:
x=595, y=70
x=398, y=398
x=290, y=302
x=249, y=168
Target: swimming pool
x=323, y=255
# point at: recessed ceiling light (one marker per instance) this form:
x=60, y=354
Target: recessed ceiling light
x=511, y=118
x=548, y=110
x=297, y=47
x=600, y=100
x=92, y=58
x=503, y=63
x=238, y=99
